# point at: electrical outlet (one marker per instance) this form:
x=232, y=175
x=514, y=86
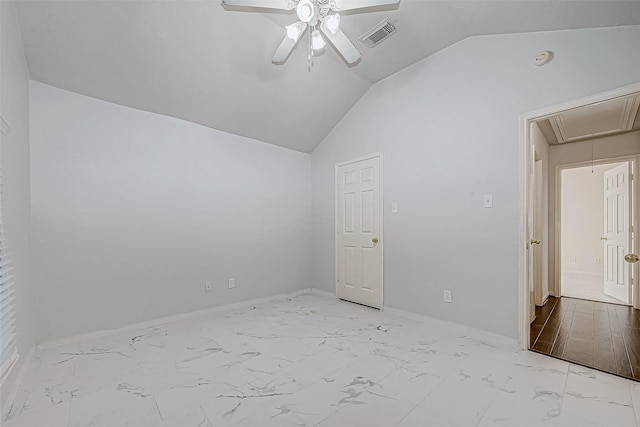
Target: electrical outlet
x=447, y=295
x=573, y=259
x=232, y=283
x=596, y=260
x=207, y=286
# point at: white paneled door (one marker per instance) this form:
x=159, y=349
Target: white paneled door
x=531, y=229
x=617, y=238
x=359, y=231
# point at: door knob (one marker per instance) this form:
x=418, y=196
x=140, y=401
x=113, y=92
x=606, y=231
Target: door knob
x=374, y=240
x=603, y=238
x=535, y=242
x=632, y=258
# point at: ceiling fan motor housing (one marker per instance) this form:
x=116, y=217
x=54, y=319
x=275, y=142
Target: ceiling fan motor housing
x=307, y=11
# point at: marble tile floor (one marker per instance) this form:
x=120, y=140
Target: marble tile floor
x=312, y=360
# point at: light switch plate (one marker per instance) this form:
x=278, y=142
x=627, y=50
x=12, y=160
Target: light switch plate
x=394, y=207
x=487, y=201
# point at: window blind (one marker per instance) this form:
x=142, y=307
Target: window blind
x=8, y=348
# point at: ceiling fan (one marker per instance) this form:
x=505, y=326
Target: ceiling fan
x=321, y=17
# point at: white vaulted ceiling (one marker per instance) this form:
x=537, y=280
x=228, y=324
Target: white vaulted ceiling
x=198, y=61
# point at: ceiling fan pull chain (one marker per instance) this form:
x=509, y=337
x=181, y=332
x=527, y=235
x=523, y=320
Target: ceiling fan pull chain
x=310, y=56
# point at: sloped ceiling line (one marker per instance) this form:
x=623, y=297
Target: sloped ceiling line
x=199, y=62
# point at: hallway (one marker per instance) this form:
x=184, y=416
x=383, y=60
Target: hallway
x=585, y=285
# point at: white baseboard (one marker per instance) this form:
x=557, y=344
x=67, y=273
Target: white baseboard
x=489, y=338
x=322, y=292
x=164, y=320
x=6, y=407
x=582, y=272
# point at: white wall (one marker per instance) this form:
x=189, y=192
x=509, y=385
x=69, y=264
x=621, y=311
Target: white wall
x=14, y=107
x=582, y=218
x=133, y=212
x=564, y=154
x=448, y=126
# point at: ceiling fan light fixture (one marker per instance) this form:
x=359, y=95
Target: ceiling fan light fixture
x=332, y=23
x=317, y=42
x=307, y=11
x=322, y=19
x=294, y=31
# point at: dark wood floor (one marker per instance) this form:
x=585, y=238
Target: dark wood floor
x=595, y=334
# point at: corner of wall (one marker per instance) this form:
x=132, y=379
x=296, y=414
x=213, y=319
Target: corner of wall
x=14, y=104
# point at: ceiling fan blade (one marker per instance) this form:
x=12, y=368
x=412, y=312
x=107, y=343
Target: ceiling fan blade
x=340, y=5
x=262, y=4
x=343, y=45
x=283, y=52
x=285, y=48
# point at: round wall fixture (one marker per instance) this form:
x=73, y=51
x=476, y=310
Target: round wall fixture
x=543, y=57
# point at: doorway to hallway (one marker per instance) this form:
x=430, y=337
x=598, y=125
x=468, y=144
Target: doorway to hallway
x=596, y=221
x=577, y=133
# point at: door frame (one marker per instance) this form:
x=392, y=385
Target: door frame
x=558, y=216
x=380, y=244
x=525, y=122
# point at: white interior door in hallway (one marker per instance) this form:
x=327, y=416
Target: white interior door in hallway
x=583, y=227
x=359, y=231
x=617, y=217
x=531, y=245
